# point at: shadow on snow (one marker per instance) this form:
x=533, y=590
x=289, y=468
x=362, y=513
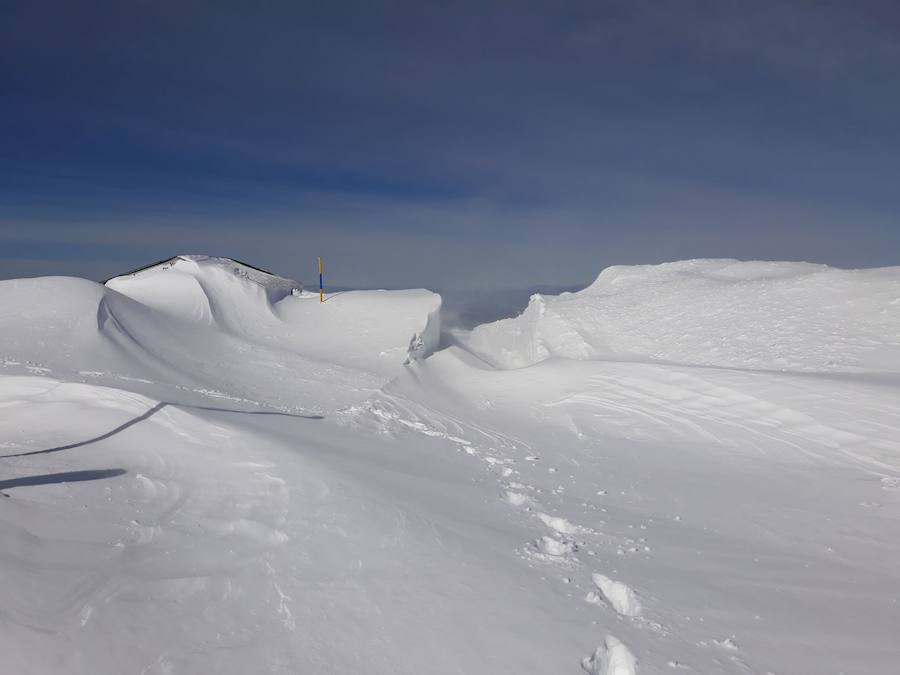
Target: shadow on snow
x=64, y=477
x=150, y=413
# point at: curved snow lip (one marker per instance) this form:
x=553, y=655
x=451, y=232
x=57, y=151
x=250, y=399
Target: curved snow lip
x=207, y=327
x=202, y=281
x=425, y=342
x=239, y=298
x=221, y=292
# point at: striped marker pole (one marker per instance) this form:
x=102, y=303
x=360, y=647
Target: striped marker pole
x=321, y=286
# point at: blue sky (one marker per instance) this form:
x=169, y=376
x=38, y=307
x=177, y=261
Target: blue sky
x=450, y=145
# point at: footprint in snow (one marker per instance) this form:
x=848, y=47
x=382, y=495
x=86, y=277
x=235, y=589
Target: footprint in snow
x=677, y=665
x=515, y=498
x=557, y=524
x=890, y=483
x=610, y=658
x=728, y=644
x=554, y=547
x=621, y=597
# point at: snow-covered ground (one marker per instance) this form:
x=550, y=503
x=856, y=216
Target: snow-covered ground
x=691, y=467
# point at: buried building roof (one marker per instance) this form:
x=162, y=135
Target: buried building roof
x=242, y=269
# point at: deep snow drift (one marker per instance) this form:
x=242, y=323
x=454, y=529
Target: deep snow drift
x=209, y=326
x=759, y=315
x=692, y=467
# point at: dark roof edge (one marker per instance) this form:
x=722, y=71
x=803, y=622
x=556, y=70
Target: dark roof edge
x=140, y=269
x=174, y=257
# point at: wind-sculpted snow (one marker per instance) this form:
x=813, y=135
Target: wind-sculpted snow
x=723, y=436
x=211, y=326
x=209, y=290
x=755, y=315
x=371, y=330
x=205, y=471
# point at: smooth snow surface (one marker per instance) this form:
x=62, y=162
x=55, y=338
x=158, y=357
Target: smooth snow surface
x=205, y=470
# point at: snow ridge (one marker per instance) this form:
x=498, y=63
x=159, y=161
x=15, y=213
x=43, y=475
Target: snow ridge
x=725, y=313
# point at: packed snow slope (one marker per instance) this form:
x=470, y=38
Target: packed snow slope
x=692, y=467
x=709, y=452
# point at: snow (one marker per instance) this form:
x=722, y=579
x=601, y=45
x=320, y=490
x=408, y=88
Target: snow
x=754, y=315
x=613, y=658
x=554, y=547
x=620, y=596
x=207, y=470
x=198, y=326
x=556, y=523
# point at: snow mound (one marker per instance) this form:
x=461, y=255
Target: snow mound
x=203, y=288
x=724, y=313
x=201, y=324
